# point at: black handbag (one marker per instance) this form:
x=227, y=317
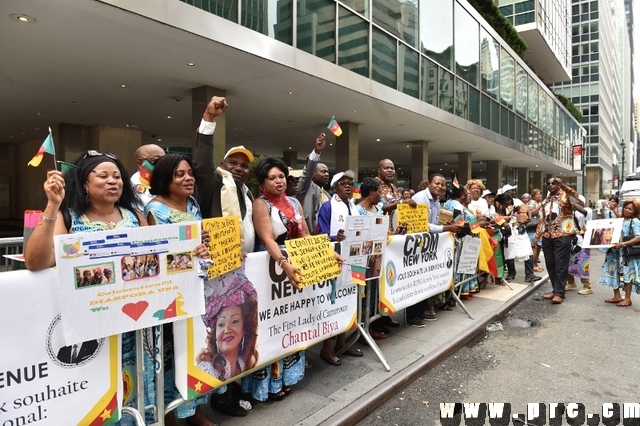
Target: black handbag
x=630, y=251
x=533, y=224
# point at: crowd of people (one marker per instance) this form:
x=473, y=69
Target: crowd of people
x=97, y=195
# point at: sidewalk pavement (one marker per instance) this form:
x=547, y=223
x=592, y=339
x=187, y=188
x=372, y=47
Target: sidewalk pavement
x=327, y=389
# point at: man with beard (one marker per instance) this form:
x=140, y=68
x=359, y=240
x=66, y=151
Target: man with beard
x=431, y=197
x=310, y=192
x=222, y=191
x=389, y=196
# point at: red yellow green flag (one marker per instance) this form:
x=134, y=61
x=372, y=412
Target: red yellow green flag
x=358, y=274
x=146, y=170
x=334, y=127
x=48, y=147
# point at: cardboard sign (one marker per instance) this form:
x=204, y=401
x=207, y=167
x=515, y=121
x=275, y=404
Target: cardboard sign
x=314, y=257
x=224, y=244
x=115, y=281
x=44, y=380
x=416, y=218
x=288, y=320
x=468, y=262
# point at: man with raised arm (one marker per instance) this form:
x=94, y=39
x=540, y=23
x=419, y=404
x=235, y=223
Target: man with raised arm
x=311, y=192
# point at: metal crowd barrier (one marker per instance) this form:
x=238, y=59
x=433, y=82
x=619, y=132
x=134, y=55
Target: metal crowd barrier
x=10, y=246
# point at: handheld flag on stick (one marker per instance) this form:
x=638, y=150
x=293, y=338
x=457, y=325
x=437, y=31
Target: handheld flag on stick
x=146, y=170
x=65, y=167
x=48, y=147
x=358, y=274
x=334, y=127
x=459, y=220
x=455, y=181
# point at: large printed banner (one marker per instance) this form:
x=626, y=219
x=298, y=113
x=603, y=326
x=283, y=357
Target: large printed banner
x=254, y=316
x=415, y=267
x=44, y=380
x=115, y=281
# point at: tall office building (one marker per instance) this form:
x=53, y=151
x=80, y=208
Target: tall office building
x=600, y=87
x=427, y=83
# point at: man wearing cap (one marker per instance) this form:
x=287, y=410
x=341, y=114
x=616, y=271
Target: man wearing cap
x=511, y=190
x=152, y=153
x=332, y=219
x=311, y=193
x=222, y=192
x=490, y=197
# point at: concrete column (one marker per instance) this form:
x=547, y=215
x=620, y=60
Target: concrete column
x=419, y=163
x=290, y=158
x=72, y=140
x=121, y=142
x=494, y=175
x=523, y=181
x=200, y=97
x=538, y=182
x=464, y=167
x=347, y=148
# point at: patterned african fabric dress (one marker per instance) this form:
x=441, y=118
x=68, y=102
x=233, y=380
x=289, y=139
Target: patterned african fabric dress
x=289, y=370
x=164, y=215
x=630, y=267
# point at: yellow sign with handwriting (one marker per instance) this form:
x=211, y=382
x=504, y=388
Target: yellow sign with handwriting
x=224, y=244
x=313, y=256
x=416, y=218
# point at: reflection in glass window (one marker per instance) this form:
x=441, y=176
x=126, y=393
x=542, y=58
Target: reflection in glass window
x=445, y=90
x=353, y=43
x=227, y=9
x=408, y=66
x=521, y=91
x=474, y=105
x=542, y=108
x=462, y=100
x=399, y=17
x=489, y=65
x=429, y=82
x=272, y=18
x=532, y=100
x=383, y=58
x=316, y=28
x=467, y=48
x=436, y=31
x=360, y=6
x=507, y=78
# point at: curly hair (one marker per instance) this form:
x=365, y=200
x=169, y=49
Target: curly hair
x=636, y=206
x=268, y=163
x=368, y=186
x=476, y=182
x=248, y=351
x=423, y=185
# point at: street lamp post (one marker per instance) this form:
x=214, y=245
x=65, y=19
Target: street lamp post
x=622, y=147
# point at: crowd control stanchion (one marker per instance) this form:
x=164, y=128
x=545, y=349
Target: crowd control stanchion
x=457, y=286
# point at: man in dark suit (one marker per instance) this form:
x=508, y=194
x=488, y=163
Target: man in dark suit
x=311, y=193
x=75, y=354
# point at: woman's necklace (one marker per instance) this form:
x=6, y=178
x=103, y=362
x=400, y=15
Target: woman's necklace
x=107, y=219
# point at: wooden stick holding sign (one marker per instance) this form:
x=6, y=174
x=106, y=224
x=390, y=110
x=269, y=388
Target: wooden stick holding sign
x=314, y=257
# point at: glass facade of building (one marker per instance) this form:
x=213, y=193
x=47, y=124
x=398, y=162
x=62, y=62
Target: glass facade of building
x=433, y=50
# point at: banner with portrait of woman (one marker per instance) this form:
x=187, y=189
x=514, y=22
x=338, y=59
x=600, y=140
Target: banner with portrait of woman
x=45, y=380
x=255, y=316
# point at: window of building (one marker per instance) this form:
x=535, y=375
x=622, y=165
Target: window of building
x=316, y=29
x=400, y=18
x=408, y=67
x=429, y=81
x=383, y=58
x=436, y=31
x=467, y=45
x=353, y=43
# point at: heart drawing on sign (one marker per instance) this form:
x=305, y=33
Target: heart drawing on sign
x=135, y=310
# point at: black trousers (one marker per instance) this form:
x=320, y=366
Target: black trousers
x=557, y=252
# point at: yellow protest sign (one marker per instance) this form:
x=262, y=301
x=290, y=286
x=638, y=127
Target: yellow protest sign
x=313, y=256
x=417, y=218
x=224, y=244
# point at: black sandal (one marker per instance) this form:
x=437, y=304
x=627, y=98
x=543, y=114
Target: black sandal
x=277, y=396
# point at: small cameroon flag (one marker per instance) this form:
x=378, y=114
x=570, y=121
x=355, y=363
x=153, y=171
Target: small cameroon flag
x=334, y=127
x=146, y=170
x=358, y=274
